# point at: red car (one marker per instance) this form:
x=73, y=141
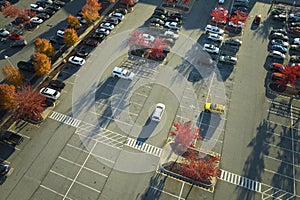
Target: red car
x=278, y=76
x=15, y=36
x=295, y=29
x=277, y=67
x=91, y=42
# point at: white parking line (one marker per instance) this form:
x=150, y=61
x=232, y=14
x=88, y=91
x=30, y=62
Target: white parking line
x=181, y=190
x=279, y=174
x=285, y=149
x=280, y=135
x=51, y=190
x=168, y=193
x=110, y=118
x=113, y=107
x=280, y=160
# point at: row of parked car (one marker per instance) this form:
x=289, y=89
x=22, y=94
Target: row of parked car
x=221, y=47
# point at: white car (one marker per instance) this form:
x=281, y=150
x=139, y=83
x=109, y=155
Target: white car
x=294, y=16
x=158, y=112
x=35, y=7
x=81, y=20
x=170, y=34
x=119, y=16
x=36, y=20
x=122, y=73
x=102, y=30
x=172, y=25
x=211, y=48
x=107, y=25
x=214, y=29
x=221, y=1
x=215, y=37
x=50, y=93
x=277, y=54
x=60, y=33
x=147, y=37
x=3, y=32
x=76, y=60
x=296, y=41
x=239, y=24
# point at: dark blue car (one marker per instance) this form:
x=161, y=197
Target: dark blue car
x=279, y=48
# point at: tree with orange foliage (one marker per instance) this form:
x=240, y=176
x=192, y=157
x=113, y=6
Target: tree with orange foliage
x=184, y=135
x=90, y=11
x=73, y=22
x=12, y=76
x=7, y=100
x=41, y=63
x=8, y=10
x=29, y=104
x=70, y=36
x=43, y=46
x=186, y=1
x=128, y=2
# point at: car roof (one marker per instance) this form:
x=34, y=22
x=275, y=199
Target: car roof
x=118, y=69
x=48, y=90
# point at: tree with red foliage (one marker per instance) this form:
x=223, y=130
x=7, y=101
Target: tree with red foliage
x=29, y=104
x=290, y=73
x=184, y=135
x=239, y=17
x=136, y=40
x=202, y=170
x=8, y=10
x=26, y=14
x=157, y=48
x=186, y=1
x=220, y=14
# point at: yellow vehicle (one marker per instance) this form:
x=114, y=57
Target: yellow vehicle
x=215, y=108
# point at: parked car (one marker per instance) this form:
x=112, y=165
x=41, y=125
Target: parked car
x=53, y=7
x=59, y=3
x=60, y=33
x=122, y=73
x=19, y=43
x=276, y=54
x=295, y=47
x=282, y=31
x=26, y=66
x=294, y=24
x=159, y=16
x=279, y=36
x=279, y=42
x=43, y=16
x=76, y=60
x=82, y=52
x=103, y=31
x=123, y=11
x=215, y=37
x=48, y=102
x=294, y=59
x=112, y=20
x=214, y=108
x=35, y=7
x=50, y=93
x=172, y=25
x=119, y=16
x=31, y=26
x=99, y=36
x=91, y=42
x=157, y=21
x=15, y=36
x=228, y=59
x=49, y=11
x=294, y=29
x=296, y=41
x=234, y=42
x=177, y=15
x=174, y=19
x=211, y=48
x=81, y=20
x=277, y=12
x=170, y=34
x=279, y=48
x=4, y=32
x=36, y=20
x=56, y=85
x=107, y=26
x=214, y=29
x=276, y=76
x=4, y=169
x=10, y=138
x=293, y=15
x=241, y=8
x=161, y=10
x=280, y=17
x=277, y=67
x=158, y=112
x=42, y=4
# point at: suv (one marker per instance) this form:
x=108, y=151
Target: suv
x=26, y=66
x=214, y=29
x=228, y=59
x=158, y=112
x=122, y=73
x=50, y=93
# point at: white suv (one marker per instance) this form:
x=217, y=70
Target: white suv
x=50, y=93
x=158, y=112
x=214, y=29
x=122, y=73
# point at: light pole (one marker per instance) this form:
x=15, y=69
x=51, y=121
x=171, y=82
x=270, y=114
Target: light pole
x=8, y=60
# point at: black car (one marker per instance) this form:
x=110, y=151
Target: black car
x=59, y=3
x=4, y=169
x=53, y=7
x=277, y=12
x=19, y=43
x=177, y=15
x=57, y=40
x=280, y=17
x=123, y=11
x=174, y=19
x=25, y=66
x=112, y=20
x=56, y=84
x=241, y=8
x=11, y=138
x=42, y=4
x=292, y=19
x=49, y=11
x=31, y=26
x=43, y=16
x=48, y=102
x=162, y=17
x=294, y=59
x=234, y=42
x=278, y=31
x=157, y=21
x=294, y=24
x=82, y=52
x=99, y=36
x=161, y=10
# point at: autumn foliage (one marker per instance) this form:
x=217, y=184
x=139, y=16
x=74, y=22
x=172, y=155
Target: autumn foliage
x=12, y=76
x=43, y=46
x=41, y=63
x=127, y=2
x=25, y=14
x=184, y=135
x=29, y=103
x=7, y=100
x=220, y=14
x=8, y=10
x=157, y=48
x=73, y=22
x=290, y=75
x=90, y=10
x=70, y=36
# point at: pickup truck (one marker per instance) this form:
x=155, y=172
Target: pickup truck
x=11, y=137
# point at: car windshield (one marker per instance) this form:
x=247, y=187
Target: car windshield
x=213, y=106
x=126, y=72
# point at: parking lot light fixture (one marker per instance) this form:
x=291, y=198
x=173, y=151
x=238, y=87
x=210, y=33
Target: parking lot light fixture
x=8, y=60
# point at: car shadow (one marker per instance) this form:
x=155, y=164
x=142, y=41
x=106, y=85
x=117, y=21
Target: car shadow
x=146, y=131
x=6, y=150
x=208, y=123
